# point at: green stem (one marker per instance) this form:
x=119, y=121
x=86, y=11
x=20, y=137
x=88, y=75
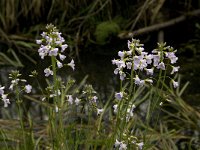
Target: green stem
x=19, y=108
x=55, y=81
x=21, y=123
x=131, y=86
x=52, y=117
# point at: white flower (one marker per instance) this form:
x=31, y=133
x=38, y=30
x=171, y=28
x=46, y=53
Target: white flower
x=139, y=49
x=13, y=83
x=62, y=40
x=129, y=65
x=48, y=39
x=149, y=58
x=137, y=62
x=149, y=71
x=99, y=111
x=174, y=69
x=174, y=59
x=138, y=81
x=43, y=34
x=52, y=95
x=115, y=108
x=114, y=61
x=59, y=64
x=175, y=84
x=94, y=99
x=2, y=90
x=116, y=71
x=156, y=60
x=63, y=47
x=38, y=41
x=155, y=51
x=129, y=44
x=119, y=95
x=42, y=55
x=120, y=64
x=122, y=75
x=130, y=112
x=143, y=64
x=71, y=64
x=161, y=66
x=28, y=88
x=77, y=101
x=5, y=100
x=43, y=50
x=117, y=143
x=140, y=145
x=70, y=99
x=62, y=57
x=11, y=87
x=171, y=56
x=58, y=42
x=123, y=146
x=121, y=54
x=53, y=52
x=48, y=72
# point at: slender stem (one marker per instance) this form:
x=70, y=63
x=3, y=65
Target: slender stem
x=52, y=116
x=21, y=123
x=131, y=86
x=19, y=108
x=55, y=81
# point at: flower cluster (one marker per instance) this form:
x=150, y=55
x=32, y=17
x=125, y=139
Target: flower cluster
x=16, y=81
x=139, y=67
x=18, y=85
x=52, y=44
x=138, y=61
